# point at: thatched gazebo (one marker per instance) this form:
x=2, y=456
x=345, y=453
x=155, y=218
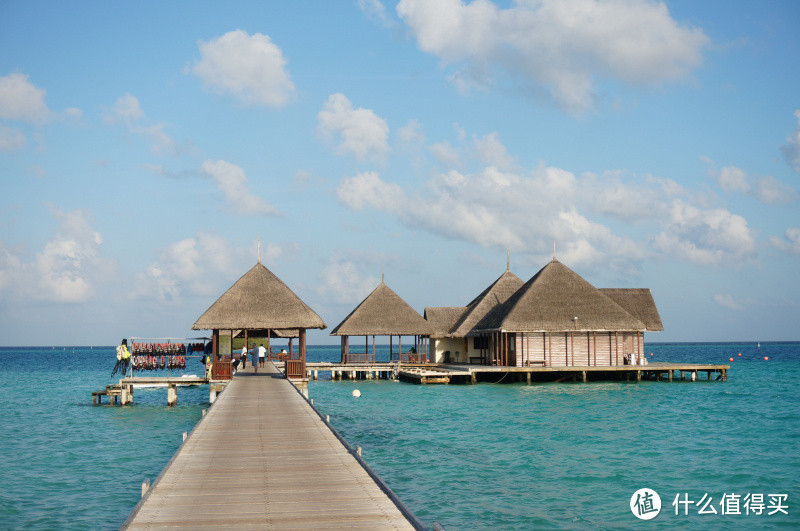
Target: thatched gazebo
x=558, y=319
x=259, y=304
x=454, y=337
x=384, y=313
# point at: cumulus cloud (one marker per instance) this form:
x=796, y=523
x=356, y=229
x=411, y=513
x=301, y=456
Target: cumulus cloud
x=705, y=236
x=359, y=132
x=790, y=243
x=791, y=150
x=447, y=155
x=726, y=300
x=561, y=46
x=343, y=281
x=67, y=268
x=11, y=139
x=21, y=100
x=200, y=266
x=232, y=182
x=768, y=190
x=494, y=208
x=249, y=67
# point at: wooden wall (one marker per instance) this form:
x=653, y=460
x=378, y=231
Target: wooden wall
x=558, y=349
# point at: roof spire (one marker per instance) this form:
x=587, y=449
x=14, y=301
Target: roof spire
x=259, y=249
x=554, y=249
x=382, y=268
x=508, y=260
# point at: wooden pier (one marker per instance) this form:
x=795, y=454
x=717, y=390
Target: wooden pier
x=460, y=373
x=263, y=457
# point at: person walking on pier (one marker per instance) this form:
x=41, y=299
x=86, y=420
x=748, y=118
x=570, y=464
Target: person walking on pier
x=262, y=355
x=244, y=357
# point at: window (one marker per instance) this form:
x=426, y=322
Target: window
x=480, y=342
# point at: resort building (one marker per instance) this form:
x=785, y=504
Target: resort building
x=454, y=338
x=260, y=307
x=384, y=313
x=558, y=319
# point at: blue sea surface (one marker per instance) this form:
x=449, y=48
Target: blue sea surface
x=504, y=456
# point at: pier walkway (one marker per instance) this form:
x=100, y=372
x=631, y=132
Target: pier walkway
x=263, y=458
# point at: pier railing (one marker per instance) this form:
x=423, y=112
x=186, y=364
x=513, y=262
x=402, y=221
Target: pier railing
x=359, y=357
x=295, y=368
x=222, y=370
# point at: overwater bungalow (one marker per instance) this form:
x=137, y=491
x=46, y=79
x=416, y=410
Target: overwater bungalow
x=558, y=319
x=384, y=313
x=260, y=307
x=454, y=338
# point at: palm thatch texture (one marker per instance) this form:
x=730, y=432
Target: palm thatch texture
x=258, y=301
x=443, y=319
x=496, y=294
x=552, y=299
x=383, y=313
x=639, y=303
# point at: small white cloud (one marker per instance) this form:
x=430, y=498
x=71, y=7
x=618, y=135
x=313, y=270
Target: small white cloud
x=412, y=134
x=733, y=179
x=126, y=109
x=250, y=67
x=791, y=150
x=342, y=281
x=376, y=12
x=726, y=300
x=771, y=191
x=232, y=182
x=790, y=244
x=561, y=46
x=447, y=155
x=11, y=139
x=491, y=151
x=360, y=132
x=22, y=100
x=367, y=189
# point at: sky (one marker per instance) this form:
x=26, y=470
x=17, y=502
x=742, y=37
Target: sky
x=146, y=148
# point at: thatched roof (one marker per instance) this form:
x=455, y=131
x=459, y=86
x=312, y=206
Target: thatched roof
x=496, y=294
x=550, y=300
x=258, y=300
x=285, y=333
x=443, y=319
x=639, y=303
x=382, y=313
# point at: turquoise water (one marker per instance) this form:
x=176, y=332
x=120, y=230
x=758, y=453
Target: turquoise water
x=508, y=456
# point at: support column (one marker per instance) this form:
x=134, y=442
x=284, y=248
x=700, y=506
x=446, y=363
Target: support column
x=172, y=395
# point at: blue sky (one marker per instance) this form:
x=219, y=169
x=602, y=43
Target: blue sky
x=145, y=148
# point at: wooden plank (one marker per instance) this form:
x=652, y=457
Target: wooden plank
x=262, y=457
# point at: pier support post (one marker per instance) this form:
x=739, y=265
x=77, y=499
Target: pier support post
x=694, y=376
x=316, y=374
x=123, y=396
x=670, y=374
x=472, y=378
x=583, y=376
x=172, y=395
x=528, y=377
x=638, y=376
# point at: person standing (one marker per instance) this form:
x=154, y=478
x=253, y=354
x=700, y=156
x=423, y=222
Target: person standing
x=243, y=357
x=262, y=355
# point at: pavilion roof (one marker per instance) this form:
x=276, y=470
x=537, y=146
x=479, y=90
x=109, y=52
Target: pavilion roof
x=382, y=313
x=258, y=300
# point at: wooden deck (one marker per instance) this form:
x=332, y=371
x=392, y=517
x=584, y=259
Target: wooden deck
x=262, y=457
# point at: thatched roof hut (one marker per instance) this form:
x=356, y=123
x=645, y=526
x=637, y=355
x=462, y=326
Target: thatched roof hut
x=258, y=301
x=496, y=294
x=383, y=313
x=552, y=299
x=639, y=303
x=442, y=320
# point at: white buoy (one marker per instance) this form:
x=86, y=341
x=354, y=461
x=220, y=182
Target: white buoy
x=356, y=393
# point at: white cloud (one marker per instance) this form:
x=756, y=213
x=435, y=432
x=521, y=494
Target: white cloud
x=342, y=281
x=790, y=244
x=768, y=190
x=412, y=134
x=733, y=179
x=126, y=109
x=360, y=132
x=491, y=151
x=21, y=100
x=375, y=11
x=250, y=67
x=706, y=237
x=726, y=300
x=11, y=139
x=559, y=45
x=791, y=150
x=232, y=182
x=68, y=267
x=447, y=155
x=200, y=266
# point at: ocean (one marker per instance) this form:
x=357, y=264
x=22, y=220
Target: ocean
x=502, y=456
